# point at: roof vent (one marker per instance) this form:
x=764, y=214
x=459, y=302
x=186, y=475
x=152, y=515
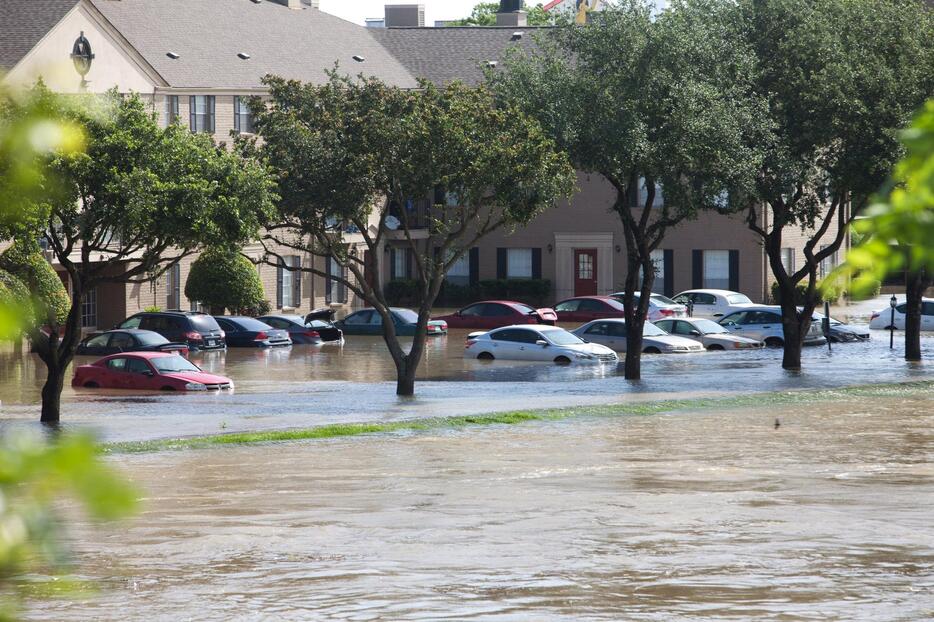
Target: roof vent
x=358, y=58
x=256, y=1
x=243, y=55
x=517, y=35
x=173, y=55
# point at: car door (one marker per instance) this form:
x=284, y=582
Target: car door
x=116, y=376
x=706, y=305
x=734, y=322
x=496, y=315
x=567, y=310
x=684, y=329
x=927, y=316
x=599, y=332
x=510, y=344
x=139, y=375
x=591, y=309
x=121, y=342
x=761, y=324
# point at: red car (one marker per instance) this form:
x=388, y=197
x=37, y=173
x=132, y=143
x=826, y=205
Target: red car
x=588, y=308
x=497, y=313
x=148, y=371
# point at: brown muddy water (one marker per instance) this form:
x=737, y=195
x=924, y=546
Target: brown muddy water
x=707, y=515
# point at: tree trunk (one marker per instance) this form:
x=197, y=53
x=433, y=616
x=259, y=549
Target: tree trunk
x=633, y=367
x=405, y=378
x=916, y=283
x=57, y=354
x=52, y=393
x=791, y=357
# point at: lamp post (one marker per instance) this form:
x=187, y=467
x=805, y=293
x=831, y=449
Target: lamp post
x=893, y=301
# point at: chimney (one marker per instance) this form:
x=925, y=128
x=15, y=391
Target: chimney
x=292, y=4
x=511, y=14
x=405, y=16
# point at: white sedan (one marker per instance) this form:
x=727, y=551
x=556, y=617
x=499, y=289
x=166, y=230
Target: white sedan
x=882, y=318
x=660, y=306
x=708, y=333
x=536, y=343
x=713, y=303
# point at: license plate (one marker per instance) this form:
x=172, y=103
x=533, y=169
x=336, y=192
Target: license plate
x=212, y=342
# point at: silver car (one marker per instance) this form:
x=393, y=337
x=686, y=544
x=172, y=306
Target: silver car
x=764, y=323
x=710, y=334
x=612, y=333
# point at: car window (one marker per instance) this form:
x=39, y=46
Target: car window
x=227, y=326
x=517, y=335
x=151, y=323
x=651, y=330
x=133, y=322
x=617, y=329
x=99, y=341
x=150, y=339
x=137, y=366
x=173, y=364
x=683, y=299
x=246, y=323
x=598, y=328
x=738, y=299
x=682, y=328
x=761, y=317
x=704, y=299
x=473, y=310
x=560, y=338
x=359, y=318
x=592, y=305
x=123, y=341
x=665, y=300
x=568, y=306
x=735, y=318
x=495, y=310
x=117, y=364
x=276, y=322
x=927, y=308
x=203, y=323
x=902, y=308
x=665, y=325
x=406, y=315
x=709, y=327
x=376, y=319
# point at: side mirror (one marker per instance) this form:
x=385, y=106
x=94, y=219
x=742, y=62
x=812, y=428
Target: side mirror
x=148, y=373
x=730, y=323
x=696, y=333
x=542, y=343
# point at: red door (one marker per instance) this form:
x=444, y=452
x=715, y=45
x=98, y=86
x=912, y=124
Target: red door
x=585, y=272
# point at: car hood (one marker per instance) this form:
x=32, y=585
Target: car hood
x=849, y=329
x=591, y=348
x=729, y=338
x=199, y=376
x=671, y=340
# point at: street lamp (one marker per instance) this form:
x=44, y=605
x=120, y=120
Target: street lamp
x=893, y=301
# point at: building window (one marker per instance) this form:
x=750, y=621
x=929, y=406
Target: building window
x=519, y=263
x=658, y=260
x=336, y=291
x=89, y=309
x=399, y=264
x=827, y=265
x=194, y=306
x=459, y=274
x=717, y=269
x=202, y=113
x=173, y=287
x=243, y=118
x=640, y=197
x=171, y=109
x=289, y=281
x=788, y=260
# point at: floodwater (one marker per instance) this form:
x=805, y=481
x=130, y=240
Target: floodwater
x=707, y=515
x=305, y=386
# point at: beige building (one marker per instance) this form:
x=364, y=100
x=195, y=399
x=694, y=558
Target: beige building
x=194, y=60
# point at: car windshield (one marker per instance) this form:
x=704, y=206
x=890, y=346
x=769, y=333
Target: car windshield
x=204, y=323
x=738, y=299
x=663, y=299
x=406, y=315
x=707, y=327
x=151, y=339
x=172, y=364
x=651, y=330
x=563, y=338
x=248, y=323
x=318, y=324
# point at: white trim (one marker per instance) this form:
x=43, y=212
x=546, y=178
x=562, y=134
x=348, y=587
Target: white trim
x=566, y=244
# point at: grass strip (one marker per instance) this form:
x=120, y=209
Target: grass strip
x=342, y=430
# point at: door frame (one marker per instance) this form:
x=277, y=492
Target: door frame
x=595, y=256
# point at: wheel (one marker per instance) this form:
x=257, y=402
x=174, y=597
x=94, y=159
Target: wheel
x=91, y=385
x=485, y=356
x=168, y=388
x=563, y=360
x=715, y=347
x=652, y=350
x=774, y=342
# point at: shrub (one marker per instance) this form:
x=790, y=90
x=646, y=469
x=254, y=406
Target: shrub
x=16, y=309
x=224, y=279
x=533, y=292
x=402, y=293
x=50, y=300
x=153, y=309
x=262, y=308
x=800, y=290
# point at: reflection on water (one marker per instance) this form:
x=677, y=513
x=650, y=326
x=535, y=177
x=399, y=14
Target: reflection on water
x=692, y=516
x=305, y=385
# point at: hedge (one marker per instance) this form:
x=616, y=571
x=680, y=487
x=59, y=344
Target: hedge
x=826, y=296
x=535, y=292
x=16, y=312
x=49, y=297
x=224, y=279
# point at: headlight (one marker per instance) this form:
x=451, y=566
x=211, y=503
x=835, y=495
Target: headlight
x=678, y=348
x=196, y=386
x=586, y=357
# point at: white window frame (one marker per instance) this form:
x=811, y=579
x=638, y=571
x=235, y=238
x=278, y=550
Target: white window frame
x=714, y=262
x=459, y=274
x=243, y=118
x=788, y=259
x=89, y=309
x=519, y=263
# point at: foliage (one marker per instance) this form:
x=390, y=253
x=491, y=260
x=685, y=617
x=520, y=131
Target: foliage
x=263, y=307
x=404, y=292
x=15, y=306
x=222, y=278
x=899, y=226
x=50, y=301
x=153, y=309
x=484, y=14
x=530, y=291
x=34, y=476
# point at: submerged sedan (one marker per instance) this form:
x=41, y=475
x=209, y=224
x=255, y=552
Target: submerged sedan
x=612, y=334
x=128, y=340
x=840, y=332
x=710, y=334
x=247, y=332
x=370, y=322
x=498, y=313
x=148, y=371
x=548, y=344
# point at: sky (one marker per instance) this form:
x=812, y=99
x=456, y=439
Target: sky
x=357, y=10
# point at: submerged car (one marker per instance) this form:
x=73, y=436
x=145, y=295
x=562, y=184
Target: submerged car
x=198, y=330
x=498, y=313
x=129, y=340
x=764, y=323
x=840, y=332
x=660, y=306
x=148, y=371
x=708, y=333
x=587, y=308
x=247, y=332
x=882, y=319
x=302, y=333
x=370, y=322
x=713, y=303
x=612, y=334
x=536, y=343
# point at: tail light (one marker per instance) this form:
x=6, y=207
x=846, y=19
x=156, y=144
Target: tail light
x=193, y=336
x=874, y=316
x=666, y=312
x=261, y=336
x=312, y=334
x=469, y=343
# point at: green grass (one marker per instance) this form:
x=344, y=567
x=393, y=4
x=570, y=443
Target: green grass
x=523, y=416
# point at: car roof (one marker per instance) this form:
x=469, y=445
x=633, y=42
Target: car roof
x=589, y=298
x=141, y=355
x=542, y=328
x=721, y=292
x=511, y=303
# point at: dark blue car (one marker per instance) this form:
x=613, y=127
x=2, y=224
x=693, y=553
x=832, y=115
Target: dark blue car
x=314, y=332
x=247, y=332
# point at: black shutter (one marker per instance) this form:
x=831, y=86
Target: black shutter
x=210, y=123
x=408, y=263
x=474, y=266
x=501, y=259
x=341, y=287
x=669, y=272
x=192, y=117
x=392, y=264
x=279, y=285
x=734, y=271
x=698, y=269
x=236, y=102
x=536, y=263
x=328, y=283
x=297, y=283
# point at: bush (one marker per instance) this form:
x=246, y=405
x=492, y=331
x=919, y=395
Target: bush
x=263, y=308
x=16, y=310
x=532, y=292
x=50, y=300
x=153, y=309
x=404, y=293
x=224, y=279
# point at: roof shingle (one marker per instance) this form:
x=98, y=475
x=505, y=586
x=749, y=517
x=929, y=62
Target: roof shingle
x=24, y=22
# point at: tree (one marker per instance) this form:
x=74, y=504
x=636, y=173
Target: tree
x=840, y=77
x=49, y=298
x=650, y=104
x=898, y=229
x=15, y=303
x=222, y=278
x=131, y=204
x=484, y=14
x=353, y=156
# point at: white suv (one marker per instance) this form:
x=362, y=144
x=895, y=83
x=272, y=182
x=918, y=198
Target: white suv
x=714, y=303
x=764, y=323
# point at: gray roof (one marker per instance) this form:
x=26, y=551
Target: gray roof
x=24, y=22
x=208, y=34
x=443, y=55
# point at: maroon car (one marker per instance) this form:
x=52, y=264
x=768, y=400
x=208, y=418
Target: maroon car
x=148, y=371
x=589, y=308
x=491, y=314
